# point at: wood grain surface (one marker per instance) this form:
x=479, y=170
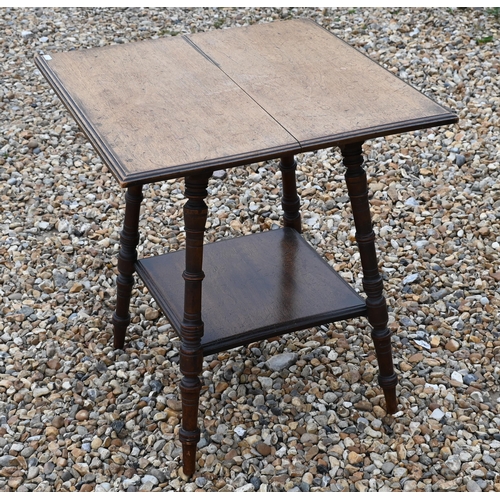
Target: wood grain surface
x=159, y=108
x=255, y=287
x=318, y=87
x=170, y=107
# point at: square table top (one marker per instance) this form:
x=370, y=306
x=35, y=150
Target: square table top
x=170, y=107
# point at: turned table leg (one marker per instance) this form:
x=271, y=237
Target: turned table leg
x=290, y=201
x=372, y=281
x=191, y=355
x=129, y=239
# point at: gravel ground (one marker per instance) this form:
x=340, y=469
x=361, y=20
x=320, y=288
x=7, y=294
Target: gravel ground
x=302, y=413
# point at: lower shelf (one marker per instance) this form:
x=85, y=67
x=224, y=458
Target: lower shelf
x=255, y=287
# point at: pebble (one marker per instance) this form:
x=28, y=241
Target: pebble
x=240, y=431
x=301, y=412
x=263, y=448
x=437, y=414
x=246, y=488
x=489, y=460
x=82, y=415
x=281, y=361
x=387, y=468
x=151, y=314
x=473, y=487
x=460, y=160
x=454, y=463
x=354, y=458
x=219, y=174
x=148, y=478
x=40, y=391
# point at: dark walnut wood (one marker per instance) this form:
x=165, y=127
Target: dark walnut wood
x=191, y=328
x=290, y=200
x=184, y=106
x=372, y=281
x=256, y=287
x=129, y=238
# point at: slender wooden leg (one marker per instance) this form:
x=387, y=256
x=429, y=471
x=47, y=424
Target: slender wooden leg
x=129, y=238
x=290, y=200
x=372, y=281
x=191, y=359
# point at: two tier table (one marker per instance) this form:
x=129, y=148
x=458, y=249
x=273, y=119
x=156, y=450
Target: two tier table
x=188, y=105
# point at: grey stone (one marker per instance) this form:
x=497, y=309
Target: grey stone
x=7, y=460
x=489, y=460
x=89, y=478
x=102, y=487
x=460, y=160
x=259, y=400
x=454, y=463
x=256, y=482
x=473, y=487
x=373, y=433
x=388, y=467
x=412, y=202
x=266, y=383
x=330, y=397
x=399, y=472
x=309, y=438
x=437, y=414
x=145, y=486
x=149, y=478
x=477, y=396
x=217, y=438
x=200, y=482
x=441, y=294
x=282, y=361
x=127, y=482
x=240, y=431
x=33, y=472
x=410, y=485
x=160, y=475
x=482, y=483
x=362, y=424
x=219, y=174
x=469, y=378
x=246, y=487
x=40, y=391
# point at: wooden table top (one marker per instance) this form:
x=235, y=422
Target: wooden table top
x=165, y=108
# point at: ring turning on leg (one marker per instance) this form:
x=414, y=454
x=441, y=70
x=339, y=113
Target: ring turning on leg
x=372, y=281
x=129, y=238
x=191, y=359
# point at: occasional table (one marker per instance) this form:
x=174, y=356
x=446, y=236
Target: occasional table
x=186, y=106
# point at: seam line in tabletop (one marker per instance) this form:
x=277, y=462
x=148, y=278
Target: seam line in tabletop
x=204, y=54
x=120, y=172
x=215, y=63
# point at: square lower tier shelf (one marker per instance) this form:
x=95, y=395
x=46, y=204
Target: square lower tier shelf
x=255, y=287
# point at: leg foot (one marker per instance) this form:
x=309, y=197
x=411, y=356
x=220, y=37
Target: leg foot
x=189, y=433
